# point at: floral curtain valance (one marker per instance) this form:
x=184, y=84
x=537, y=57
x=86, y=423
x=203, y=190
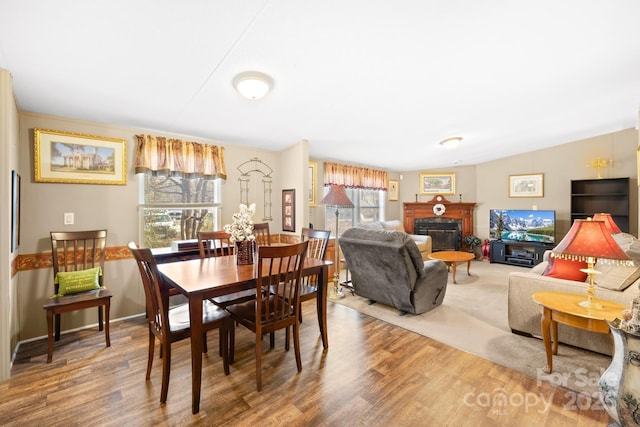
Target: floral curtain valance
x=354, y=176
x=162, y=155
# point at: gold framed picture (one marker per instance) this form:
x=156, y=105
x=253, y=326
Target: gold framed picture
x=392, y=191
x=531, y=185
x=75, y=158
x=313, y=183
x=438, y=183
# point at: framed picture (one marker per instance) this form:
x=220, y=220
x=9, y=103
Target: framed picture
x=288, y=210
x=393, y=190
x=438, y=183
x=526, y=185
x=15, y=211
x=313, y=183
x=74, y=158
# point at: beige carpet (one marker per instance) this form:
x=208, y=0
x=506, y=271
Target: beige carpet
x=473, y=318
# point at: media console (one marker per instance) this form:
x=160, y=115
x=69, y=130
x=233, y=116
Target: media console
x=525, y=254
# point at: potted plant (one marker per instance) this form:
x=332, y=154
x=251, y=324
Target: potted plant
x=472, y=241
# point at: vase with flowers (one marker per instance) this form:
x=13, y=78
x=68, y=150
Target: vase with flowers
x=241, y=232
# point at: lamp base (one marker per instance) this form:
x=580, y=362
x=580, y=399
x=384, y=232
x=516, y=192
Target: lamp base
x=591, y=304
x=334, y=292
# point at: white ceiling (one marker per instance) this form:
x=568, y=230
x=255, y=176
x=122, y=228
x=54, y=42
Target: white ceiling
x=369, y=82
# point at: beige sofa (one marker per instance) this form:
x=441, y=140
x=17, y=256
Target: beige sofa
x=423, y=242
x=525, y=315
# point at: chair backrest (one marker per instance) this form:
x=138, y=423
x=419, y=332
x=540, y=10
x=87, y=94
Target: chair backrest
x=261, y=231
x=317, y=242
x=155, y=292
x=278, y=287
x=214, y=243
x=78, y=250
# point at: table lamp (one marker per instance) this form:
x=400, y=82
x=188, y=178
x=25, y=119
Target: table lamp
x=608, y=221
x=588, y=240
x=336, y=197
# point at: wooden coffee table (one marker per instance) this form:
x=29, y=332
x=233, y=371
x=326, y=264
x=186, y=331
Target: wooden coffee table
x=565, y=308
x=451, y=258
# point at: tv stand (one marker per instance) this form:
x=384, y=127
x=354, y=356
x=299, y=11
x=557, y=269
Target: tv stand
x=513, y=252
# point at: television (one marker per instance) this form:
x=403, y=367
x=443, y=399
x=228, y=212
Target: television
x=524, y=225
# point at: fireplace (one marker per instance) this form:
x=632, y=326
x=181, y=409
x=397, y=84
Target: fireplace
x=446, y=233
x=450, y=222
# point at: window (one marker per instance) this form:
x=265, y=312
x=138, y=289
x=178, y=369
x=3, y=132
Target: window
x=175, y=208
x=369, y=206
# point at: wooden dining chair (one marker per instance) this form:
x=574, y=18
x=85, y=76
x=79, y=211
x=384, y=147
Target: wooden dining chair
x=279, y=268
x=214, y=243
x=78, y=276
x=261, y=231
x=318, y=240
x=169, y=325
x=218, y=243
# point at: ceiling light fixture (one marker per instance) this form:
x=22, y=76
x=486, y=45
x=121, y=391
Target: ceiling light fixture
x=452, y=142
x=253, y=84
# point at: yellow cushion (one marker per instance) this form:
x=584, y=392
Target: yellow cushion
x=71, y=282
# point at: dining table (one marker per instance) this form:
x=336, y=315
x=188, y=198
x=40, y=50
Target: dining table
x=204, y=278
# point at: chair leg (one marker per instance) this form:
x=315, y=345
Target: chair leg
x=232, y=341
x=57, y=326
x=259, y=361
x=166, y=371
x=49, y=335
x=224, y=348
x=286, y=338
x=205, y=349
x=152, y=346
x=100, y=318
x=272, y=339
x=296, y=345
x=107, y=308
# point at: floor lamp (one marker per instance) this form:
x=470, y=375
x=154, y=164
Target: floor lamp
x=337, y=198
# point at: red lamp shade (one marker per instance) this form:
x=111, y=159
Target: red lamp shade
x=589, y=239
x=337, y=197
x=609, y=222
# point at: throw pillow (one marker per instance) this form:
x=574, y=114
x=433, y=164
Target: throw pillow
x=566, y=269
x=71, y=282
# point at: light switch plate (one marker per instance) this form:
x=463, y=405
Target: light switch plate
x=69, y=218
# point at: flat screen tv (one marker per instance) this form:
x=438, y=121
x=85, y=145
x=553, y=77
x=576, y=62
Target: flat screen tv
x=523, y=225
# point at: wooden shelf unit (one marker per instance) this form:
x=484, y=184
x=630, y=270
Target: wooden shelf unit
x=591, y=196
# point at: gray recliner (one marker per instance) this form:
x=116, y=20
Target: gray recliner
x=387, y=267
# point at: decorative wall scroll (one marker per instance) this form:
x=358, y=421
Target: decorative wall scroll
x=246, y=169
x=392, y=191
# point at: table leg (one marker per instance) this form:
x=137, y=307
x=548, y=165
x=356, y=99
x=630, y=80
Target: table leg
x=453, y=272
x=554, y=336
x=321, y=304
x=195, y=316
x=546, y=337
x=468, y=267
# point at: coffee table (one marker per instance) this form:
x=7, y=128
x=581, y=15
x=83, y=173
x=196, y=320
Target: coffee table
x=565, y=308
x=451, y=258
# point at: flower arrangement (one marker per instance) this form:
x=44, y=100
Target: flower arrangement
x=241, y=229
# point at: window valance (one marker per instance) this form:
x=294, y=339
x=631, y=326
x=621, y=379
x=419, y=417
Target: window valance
x=161, y=155
x=354, y=176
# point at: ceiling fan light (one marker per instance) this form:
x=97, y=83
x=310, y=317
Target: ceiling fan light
x=452, y=142
x=253, y=85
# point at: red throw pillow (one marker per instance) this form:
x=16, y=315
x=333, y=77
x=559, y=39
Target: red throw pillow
x=566, y=269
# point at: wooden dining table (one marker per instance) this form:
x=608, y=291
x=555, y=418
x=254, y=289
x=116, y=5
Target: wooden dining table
x=200, y=279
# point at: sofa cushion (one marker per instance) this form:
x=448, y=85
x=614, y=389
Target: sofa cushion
x=566, y=269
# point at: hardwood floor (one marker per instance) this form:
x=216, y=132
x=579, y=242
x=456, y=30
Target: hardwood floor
x=374, y=374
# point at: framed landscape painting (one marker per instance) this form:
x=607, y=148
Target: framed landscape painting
x=437, y=183
x=526, y=185
x=75, y=158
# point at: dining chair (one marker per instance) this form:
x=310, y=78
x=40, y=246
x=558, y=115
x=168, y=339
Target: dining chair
x=279, y=269
x=261, y=231
x=78, y=280
x=218, y=243
x=169, y=325
x=214, y=243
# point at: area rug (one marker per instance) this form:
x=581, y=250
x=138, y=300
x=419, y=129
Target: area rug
x=473, y=318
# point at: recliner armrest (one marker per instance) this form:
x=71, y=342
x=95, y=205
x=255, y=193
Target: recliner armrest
x=423, y=239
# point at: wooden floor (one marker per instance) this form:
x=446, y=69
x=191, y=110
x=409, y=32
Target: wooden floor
x=374, y=374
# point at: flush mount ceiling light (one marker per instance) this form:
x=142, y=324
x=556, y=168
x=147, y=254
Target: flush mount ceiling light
x=253, y=84
x=452, y=142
